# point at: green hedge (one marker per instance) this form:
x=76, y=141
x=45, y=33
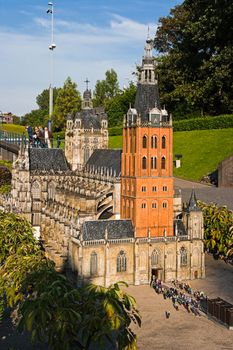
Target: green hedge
x=115, y=131
x=204, y=123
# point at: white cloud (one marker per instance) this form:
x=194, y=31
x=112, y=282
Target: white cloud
x=82, y=50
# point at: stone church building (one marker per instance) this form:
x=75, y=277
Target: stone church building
x=110, y=215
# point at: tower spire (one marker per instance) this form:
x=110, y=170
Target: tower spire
x=193, y=206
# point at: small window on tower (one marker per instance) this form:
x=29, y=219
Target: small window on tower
x=163, y=142
x=143, y=188
x=163, y=163
x=153, y=142
x=154, y=205
x=154, y=188
x=144, y=142
x=144, y=163
x=143, y=205
x=164, y=205
x=153, y=162
x=164, y=188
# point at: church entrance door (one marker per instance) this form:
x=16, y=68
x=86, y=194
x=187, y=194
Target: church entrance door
x=157, y=272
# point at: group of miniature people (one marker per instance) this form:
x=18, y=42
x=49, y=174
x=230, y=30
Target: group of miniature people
x=192, y=302
x=40, y=138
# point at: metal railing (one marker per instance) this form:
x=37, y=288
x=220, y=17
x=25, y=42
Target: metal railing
x=17, y=139
x=11, y=137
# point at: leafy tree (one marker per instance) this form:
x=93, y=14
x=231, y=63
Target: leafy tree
x=49, y=306
x=35, y=118
x=68, y=101
x=43, y=99
x=107, y=88
x=118, y=106
x=218, y=229
x=195, y=70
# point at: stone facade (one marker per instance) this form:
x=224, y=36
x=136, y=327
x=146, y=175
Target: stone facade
x=89, y=131
x=101, y=213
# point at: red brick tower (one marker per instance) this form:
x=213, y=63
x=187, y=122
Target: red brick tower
x=147, y=181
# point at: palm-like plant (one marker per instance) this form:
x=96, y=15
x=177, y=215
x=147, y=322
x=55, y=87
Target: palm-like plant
x=48, y=304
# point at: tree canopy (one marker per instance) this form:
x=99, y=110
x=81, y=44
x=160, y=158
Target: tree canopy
x=195, y=68
x=68, y=101
x=118, y=106
x=107, y=88
x=43, y=99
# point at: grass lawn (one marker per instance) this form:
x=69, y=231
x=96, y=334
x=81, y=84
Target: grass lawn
x=202, y=150
x=19, y=129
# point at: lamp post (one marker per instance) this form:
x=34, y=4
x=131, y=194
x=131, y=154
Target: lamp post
x=52, y=46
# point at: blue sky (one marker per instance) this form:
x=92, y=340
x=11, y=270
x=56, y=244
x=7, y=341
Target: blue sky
x=91, y=37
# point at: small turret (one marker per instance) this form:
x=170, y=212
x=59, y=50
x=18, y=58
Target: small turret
x=193, y=206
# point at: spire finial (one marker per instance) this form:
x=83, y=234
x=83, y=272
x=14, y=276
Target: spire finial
x=87, y=82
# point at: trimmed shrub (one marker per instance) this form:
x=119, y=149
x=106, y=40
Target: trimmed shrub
x=204, y=123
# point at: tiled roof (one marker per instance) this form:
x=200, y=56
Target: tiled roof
x=147, y=97
x=115, y=229
x=106, y=158
x=47, y=159
x=91, y=118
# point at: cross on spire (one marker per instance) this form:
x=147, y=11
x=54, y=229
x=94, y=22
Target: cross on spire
x=87, y=81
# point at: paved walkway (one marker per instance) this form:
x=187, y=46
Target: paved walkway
x=206, y=193
x=183, y=330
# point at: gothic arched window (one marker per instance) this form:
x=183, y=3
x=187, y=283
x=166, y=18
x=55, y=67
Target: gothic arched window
x=144, y=142
x=121, y=262
x=154, y=258
x=86, y=154
x=51, y=190
x=163, y=142
x=163, y=163
x=144, y=163
x=36, y=190
x=183, y=257
x=153, y=142
x=153, y=162
x=93, y=264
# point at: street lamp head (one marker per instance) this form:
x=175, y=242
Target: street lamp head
x=50, y=3
x=52, y=46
